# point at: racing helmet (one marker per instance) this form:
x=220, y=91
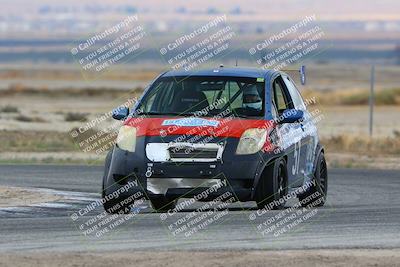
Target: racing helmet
x=251, y=98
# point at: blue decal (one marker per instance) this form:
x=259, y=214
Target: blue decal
x=191, y=122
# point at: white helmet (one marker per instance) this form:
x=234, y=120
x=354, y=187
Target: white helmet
x=251, y=98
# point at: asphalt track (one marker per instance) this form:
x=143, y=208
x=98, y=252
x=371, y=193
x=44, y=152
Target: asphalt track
x=363, y=211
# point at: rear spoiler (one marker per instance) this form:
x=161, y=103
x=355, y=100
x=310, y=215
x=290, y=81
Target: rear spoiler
x=302, y=72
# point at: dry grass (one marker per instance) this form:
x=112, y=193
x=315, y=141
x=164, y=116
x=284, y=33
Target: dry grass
x=69, y=74
x=363, y=145
x=349, y=97
x=19, y=89
x=35, y=141
x=354, y=97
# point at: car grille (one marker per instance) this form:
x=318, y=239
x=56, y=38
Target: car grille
x=184, y=152
x=194, y=153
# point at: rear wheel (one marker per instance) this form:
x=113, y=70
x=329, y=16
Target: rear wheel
x=162, y=203
x=315, y=196
x=112, y=206
x=272, y=186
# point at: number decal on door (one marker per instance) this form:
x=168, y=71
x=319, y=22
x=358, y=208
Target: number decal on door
x=296, y=165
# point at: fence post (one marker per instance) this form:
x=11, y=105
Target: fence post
x=371, y=101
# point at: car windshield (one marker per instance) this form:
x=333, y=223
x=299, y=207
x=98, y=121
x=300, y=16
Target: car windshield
x=205, y=96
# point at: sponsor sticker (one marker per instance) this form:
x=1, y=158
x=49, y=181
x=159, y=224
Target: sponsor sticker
x=191, y=122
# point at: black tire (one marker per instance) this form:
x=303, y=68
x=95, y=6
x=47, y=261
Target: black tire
x=112, y=206
x=162, y=204
x=320, y=189
x=273, y=185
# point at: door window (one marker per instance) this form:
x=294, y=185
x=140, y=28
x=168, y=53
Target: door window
x=281, y=98
x=294, y=93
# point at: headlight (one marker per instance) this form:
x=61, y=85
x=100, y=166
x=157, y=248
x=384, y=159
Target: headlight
x=251, y=141
x=126, y=138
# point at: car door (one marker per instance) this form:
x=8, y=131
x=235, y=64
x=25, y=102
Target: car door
x=307, y=142
x=289, y=133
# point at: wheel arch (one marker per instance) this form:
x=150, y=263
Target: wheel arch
x=263, y=168
x=107, y=164
x=320, y=149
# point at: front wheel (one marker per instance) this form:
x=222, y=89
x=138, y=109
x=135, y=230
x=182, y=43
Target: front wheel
x=315, y=196
x=272, y=186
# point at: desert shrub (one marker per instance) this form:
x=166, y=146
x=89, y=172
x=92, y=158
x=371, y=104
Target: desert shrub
x=73, y=116
x=9, y=109
x=24, y=118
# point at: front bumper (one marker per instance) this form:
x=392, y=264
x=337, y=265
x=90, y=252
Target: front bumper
x=238, y=171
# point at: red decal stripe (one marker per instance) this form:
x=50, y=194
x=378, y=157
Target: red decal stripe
x=227, y=127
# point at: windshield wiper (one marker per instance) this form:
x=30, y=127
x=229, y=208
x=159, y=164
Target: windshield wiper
x=241, y=115
x=165, y=113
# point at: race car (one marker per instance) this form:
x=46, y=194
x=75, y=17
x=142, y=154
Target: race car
x=239, y=130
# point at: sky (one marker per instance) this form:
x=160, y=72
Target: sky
x=260, y=9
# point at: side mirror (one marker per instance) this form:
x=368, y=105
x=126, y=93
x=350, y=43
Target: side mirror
x=120, y=113
x=291, y=116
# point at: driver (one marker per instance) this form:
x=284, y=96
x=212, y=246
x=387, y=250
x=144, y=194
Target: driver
x=251, y=98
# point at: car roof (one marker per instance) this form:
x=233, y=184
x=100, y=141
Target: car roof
x=222, y=71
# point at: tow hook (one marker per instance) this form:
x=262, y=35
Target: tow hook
x=149, y=171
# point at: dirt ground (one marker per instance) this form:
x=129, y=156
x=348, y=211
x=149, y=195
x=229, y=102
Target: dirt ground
x=352, y=257
x=14, y=196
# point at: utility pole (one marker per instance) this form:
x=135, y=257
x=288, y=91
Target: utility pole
x=397, y=53
x=371, y=101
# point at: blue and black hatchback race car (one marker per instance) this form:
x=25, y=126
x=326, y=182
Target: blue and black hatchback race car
x=242, y=130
